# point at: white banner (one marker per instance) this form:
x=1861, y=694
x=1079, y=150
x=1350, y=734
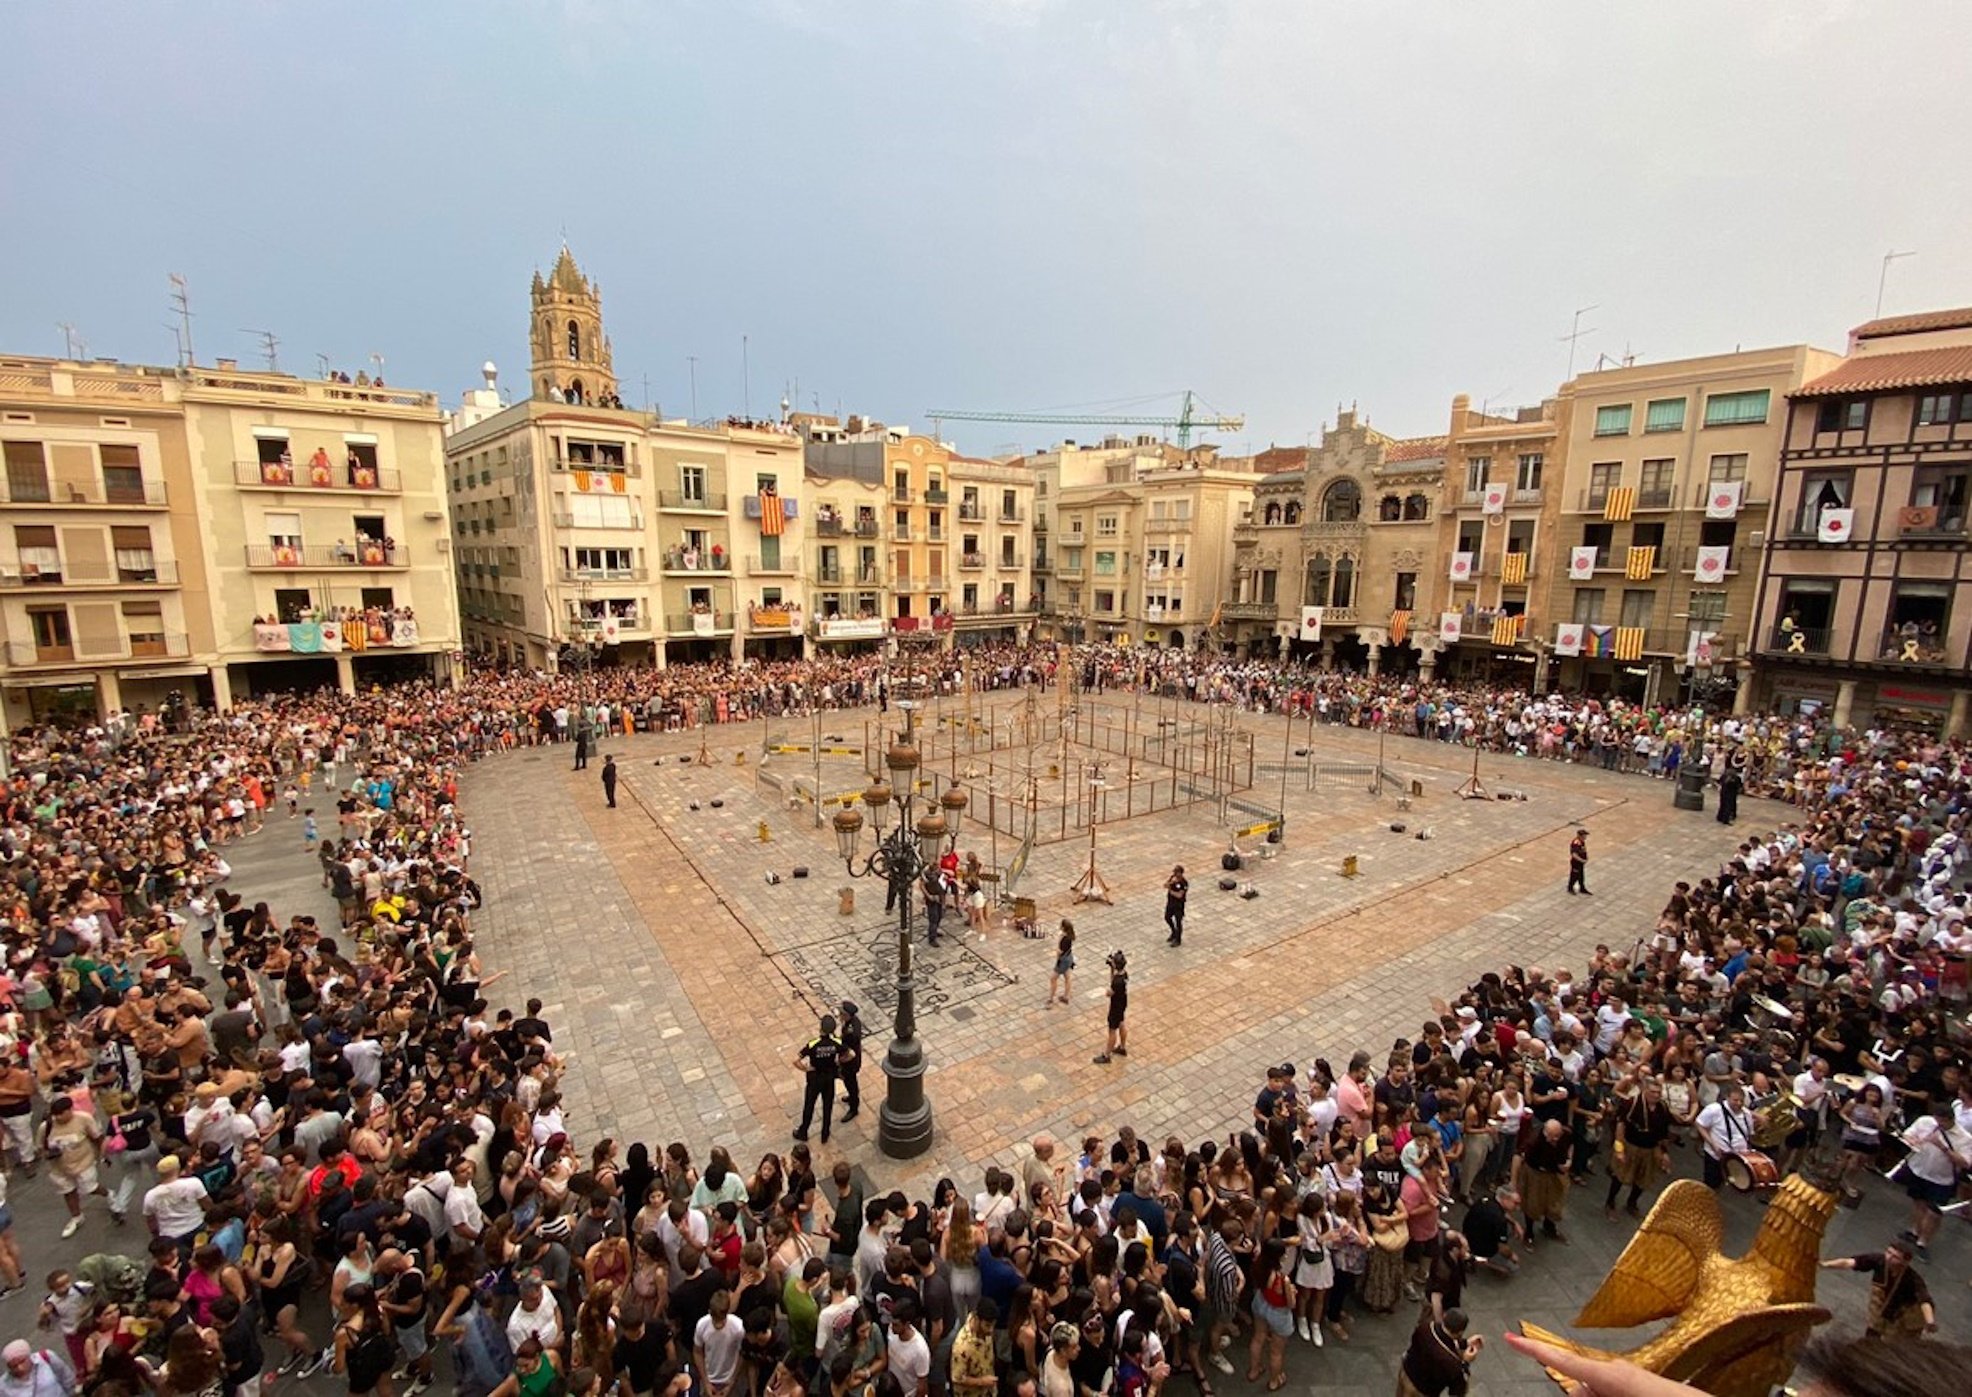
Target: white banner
x=1698, y=648
x=1711, y=563
x=1568, y=638
x=702, y=622
x=1461, y=567
x=1581, y=564
x=1451, y=626
x=1494, y=500
x=1836, y=525
x=1722, y=498
x=1311, y=623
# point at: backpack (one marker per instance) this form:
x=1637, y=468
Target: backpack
x=369, y=1357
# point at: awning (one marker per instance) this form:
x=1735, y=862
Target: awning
x=175, y=672
x=51, y=681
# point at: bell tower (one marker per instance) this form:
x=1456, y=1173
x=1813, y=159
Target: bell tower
x=570, y=353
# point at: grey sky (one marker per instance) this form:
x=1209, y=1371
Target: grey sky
x=988, y=203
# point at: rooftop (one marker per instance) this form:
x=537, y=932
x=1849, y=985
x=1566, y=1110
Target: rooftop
x=1414, y=449
x=1958, y=319
x=1882, y=373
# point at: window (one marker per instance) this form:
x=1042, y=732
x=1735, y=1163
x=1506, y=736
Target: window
x=1728, y=467
x=379, y=598
x=1736, y=409
x=1822, y=491
x=1269, y=585
x=1527, y=472
x=1719, y=533
x=1321, y=576
x=1291, y=515
x=1406, y=591
x=27, y=472
x=1343, y=592
x=1389, y=509
x=1520, y=536
x=283, y=529
x=1342, y=502
x=143, y=623
x=1649, y=535
x=1600, y=537
x=1105, y=563
x=1942, y=489
x=1075, y=525
x=1105, y=600
x=1613, y=421
x=1842, y=415
x=134, y=560
x=51, y=633
x=604, y=560
x=1919, y=622
x=1637, y=606
x=1604, y=476
x=900, y=484
x=1809, y=604
x=1105, y=526
x=1472, y=539
x=1706, y=609
x=41, y=559
x=1477, y=469
x=1655, y=487
x=1664, y=415
x=292, y=604
x=1009, y=510
x=1588, y=606
x=1936, y=409
x=123, y=476
x=1417, y=507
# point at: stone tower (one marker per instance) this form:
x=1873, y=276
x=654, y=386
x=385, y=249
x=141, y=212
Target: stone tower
x=570, y=352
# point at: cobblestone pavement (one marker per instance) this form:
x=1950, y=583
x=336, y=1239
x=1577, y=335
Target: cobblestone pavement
x=686, y=980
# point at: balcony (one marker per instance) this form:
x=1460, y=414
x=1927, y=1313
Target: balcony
x=314, y=475
x=1070, y=572
x=1015, y=515
x=1246, y=531
x=971, y=562
x=782, y=566
x=866, y=528
x=26, y=654
x=1043, y=563
x=67, y=493
x=790, y=507
x=831, y=527
x=1528, y=496
x=1250, y=611
x=763, y=619
x=563, y=465
x=680, y=559
x=1912, y=648
x=603, y=574
x=364, y=553
x=1593, y=500
x=28, y=575
x=1798, y=640
x=1654, y=497
x=901, y=533
x=1008, y=562
x=699, y=623
x=1041, y=524
x=567, y=521
x=971, y=511
x=937, y=496
x=697, y=502
x=900, y=495
x=934, y=534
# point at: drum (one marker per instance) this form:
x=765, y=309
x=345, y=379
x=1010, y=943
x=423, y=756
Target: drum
x=1769, y=1012
x=1750, y=1171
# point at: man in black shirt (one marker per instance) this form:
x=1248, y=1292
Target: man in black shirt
x=691, y=1298
x=1176, y=888
x=642, y=1349
x=1643, y=1146
x=239, y=1344
x=1489, y=1229
x=850, y=1062
x=1438, y=1362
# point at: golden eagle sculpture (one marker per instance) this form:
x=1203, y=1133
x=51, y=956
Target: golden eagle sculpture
x=1737, y=1323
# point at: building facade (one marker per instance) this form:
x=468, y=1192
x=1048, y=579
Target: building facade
x=991, y=551
x=213, y=532
x=1865, y=606
x=1335, y=561
x=1668, y=473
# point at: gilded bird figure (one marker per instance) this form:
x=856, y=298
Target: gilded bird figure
x=1737, y=1322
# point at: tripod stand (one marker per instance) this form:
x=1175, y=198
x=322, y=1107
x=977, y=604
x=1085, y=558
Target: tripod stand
x=1472, y=788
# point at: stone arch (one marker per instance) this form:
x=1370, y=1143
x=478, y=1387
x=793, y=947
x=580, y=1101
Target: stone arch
x=1342, y=502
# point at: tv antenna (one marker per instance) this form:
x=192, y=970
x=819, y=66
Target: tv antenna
x=1575, y=334
x=377, y=360
x=181, y=302
x=73, y=345
x=322, y=364
x=270, y=348
x=1883, y=277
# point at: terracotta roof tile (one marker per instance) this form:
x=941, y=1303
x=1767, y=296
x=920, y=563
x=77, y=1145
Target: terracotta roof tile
x=1881, y=373
x=1415, y=449
x=1958, y=319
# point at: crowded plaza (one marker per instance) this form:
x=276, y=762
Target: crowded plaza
x=274, y=1146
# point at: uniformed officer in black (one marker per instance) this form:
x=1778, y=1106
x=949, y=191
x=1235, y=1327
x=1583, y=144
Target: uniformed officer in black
x=820, y=1057
x=851, y=1058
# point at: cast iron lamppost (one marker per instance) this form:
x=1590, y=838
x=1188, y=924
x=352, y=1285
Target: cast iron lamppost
x=901, y=856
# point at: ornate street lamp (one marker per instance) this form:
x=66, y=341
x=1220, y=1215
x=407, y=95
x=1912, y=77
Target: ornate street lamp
x=900, y=858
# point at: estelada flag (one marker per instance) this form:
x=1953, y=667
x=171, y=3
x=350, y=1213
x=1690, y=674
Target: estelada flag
x=773, y=516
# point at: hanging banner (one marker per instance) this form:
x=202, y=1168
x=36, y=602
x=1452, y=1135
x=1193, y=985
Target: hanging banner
x=1494, y=500
x=1598, y=642
x=1722, y=499
x=271, y=637
x=1629, y=642
x=1568, y=638
x=1400, y=626
x=1461, y=567
x=1311, y=623
x=1581, y=564
x=702, y=622
x=1711, y=563
x=1698, y=647
x=1836, y=525
x=404, y=631
x=1640, y=563
x=1451, y=627
x=1506, y=629
x=1513, y=568
x=1620, y=503
x=332, y=636
x=305, y=638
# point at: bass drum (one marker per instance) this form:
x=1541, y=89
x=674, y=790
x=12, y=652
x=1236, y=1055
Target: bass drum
x=1750, y=1171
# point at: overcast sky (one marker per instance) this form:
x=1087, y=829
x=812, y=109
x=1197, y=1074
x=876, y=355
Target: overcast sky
x=989, y=204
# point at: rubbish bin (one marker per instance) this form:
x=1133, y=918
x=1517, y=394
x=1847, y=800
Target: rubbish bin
x=847, y=906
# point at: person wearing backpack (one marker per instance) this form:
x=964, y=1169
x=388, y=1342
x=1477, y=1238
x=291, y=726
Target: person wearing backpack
x=364, y=1344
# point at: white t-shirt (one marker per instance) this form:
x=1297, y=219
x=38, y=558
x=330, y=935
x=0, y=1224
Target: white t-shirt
x=910, y=1360
x=721, y=1346
x=1726, y=1131
x=1931, y=1147
x=542, y=1322
x=176, y=1207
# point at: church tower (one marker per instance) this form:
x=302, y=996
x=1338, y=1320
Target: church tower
x=571, y=355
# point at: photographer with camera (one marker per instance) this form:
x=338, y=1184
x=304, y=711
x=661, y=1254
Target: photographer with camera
x=1119, y=1004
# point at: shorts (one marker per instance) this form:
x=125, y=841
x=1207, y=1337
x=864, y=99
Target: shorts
x=411, y=1339
x=82, y=1181
x=1280, y=1321
x=1932, y=1196
x=6, y=1218
x=1116, y=1012
x=1063, y=964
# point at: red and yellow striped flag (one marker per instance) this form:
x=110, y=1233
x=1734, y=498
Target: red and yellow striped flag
x=1620, y=502
x=773, y=515
x=1629, y=642
x=1641, y=562
x=1400, y=626
x=1513, y=568
x=1506, y=629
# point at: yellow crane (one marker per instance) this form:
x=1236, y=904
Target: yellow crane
x=1184, y=424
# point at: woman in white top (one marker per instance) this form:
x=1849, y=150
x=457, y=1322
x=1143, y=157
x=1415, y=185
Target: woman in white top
x=1510, y=1108
x=1314, y=1268
x=1322, y=1110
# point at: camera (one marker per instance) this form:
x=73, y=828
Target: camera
x=1117, y=960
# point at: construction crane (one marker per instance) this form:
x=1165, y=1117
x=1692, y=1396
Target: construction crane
x=1184, y=423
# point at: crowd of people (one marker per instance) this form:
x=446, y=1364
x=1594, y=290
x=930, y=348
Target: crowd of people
x=347, y=1160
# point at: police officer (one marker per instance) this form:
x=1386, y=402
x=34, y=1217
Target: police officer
x=820, y=1057
x=851, y=1059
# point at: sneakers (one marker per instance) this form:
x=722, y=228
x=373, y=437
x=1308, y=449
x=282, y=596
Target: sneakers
x=1301, y=1328
x=1315, y=1335
x=74, y=1226
x=422, y=1384
x=1222, y=1363
x=1122, y=1052
x=1101, y=1059
x=317, y=1364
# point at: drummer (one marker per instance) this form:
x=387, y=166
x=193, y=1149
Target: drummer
x=1813, y=1091
x=1725, y=1128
